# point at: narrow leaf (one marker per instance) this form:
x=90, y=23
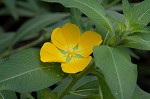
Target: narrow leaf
x=127, y=10
x=140, y=41
x=36, y=24
x=11, y=7
x=92, y=8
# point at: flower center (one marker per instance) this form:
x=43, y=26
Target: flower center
x=71, y=52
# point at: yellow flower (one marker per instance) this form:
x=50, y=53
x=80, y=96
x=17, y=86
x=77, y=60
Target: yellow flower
x=70, y=48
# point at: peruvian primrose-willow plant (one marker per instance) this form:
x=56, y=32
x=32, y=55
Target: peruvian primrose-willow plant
x=78, y=63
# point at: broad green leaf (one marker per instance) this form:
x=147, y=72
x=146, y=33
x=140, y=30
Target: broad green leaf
x=92, y=8
x=119, y=72
x=7, y=95
x=11, y=7
x=141, y=13
x=24, y=72
x=140, y=41
x=36, y=24
x=140, y=94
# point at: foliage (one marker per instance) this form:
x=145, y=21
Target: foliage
x=111, y=73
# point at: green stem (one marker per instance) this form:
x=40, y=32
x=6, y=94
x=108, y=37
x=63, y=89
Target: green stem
x=75, y=80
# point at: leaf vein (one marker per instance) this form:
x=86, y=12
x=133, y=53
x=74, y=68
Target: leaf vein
x=143, y=14
x=22, y=74
x=116, y=73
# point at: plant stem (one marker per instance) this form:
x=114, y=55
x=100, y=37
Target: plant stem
x=75, y=80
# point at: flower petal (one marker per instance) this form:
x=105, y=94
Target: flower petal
x=49, y=53
x=76, y=65
x=88, y=40
x=66, y=36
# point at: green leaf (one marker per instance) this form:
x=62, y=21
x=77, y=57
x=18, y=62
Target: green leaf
x=72, y=97
x=141, y=13
x=20, y=12
x=131, y=52
x=90, y=86
x=11, y=7
x=103, y=32
x=26, y=96
x=76, y=18
x=89, y=90
x=92, y=8
x=24, y=12
x=139, y=41
x=127, y=10
x=1, y=30
x=36, y=24
x=7, y=95
x=140, y=94
x=6, y=39
x=24, y=72
x=46, y=94
x=34, y=4
x=84, y=80
x=104, y=90
x=119, y=72
x=115, y=15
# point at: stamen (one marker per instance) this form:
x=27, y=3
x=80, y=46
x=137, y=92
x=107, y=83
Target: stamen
x=71, y=52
